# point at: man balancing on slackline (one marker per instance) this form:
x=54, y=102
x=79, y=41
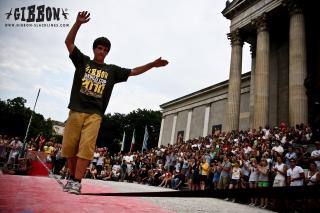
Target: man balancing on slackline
x=91, y=90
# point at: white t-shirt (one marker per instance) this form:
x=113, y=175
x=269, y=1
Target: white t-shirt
x=253, y=174
x=247, y=150
x=295, y=173
x=316, y=153
x=290, y=156
x=280, y=168
x=278, y=149
x=236, y=173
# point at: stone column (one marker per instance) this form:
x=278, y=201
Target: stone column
x=298, y=105
x=233, y=103
x=206, y=121
x=174, y=122
x=261, y=92
x=161, y=130
x=252, y=82
x=187, y=137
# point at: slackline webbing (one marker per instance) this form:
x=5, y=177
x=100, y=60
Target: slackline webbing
x=289, y=192
x=50, y=172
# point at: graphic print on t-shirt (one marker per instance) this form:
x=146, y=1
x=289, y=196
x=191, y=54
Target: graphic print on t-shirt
x=94, y=81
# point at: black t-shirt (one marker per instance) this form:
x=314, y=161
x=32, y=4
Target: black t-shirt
x=93, y=83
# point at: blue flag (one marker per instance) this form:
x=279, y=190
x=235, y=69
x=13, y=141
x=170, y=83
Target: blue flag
x=145, y=139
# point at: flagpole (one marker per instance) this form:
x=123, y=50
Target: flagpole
x=123, y=139
x=27, y=131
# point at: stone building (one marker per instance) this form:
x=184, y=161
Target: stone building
x=284, y=82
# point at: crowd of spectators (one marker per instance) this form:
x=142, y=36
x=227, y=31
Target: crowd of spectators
x=253, y=158
x=266, y=157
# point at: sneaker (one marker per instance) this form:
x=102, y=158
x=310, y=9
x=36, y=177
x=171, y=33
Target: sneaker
x=67, y=186
x=75, y=188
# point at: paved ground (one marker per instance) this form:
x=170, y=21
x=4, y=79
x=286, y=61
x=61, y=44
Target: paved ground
x=26, y=194
x=182, y=205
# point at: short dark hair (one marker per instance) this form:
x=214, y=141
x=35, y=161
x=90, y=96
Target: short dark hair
x=102, y=41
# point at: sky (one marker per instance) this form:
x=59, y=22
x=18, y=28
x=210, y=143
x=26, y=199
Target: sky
x=190, y=34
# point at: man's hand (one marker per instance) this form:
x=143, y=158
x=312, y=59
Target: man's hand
x=157, y=63
x=160, y=62
x=83, y=17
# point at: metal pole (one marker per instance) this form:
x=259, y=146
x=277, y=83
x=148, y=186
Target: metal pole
x=25, y=138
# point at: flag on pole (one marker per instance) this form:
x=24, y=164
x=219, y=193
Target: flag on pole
x=123, y=139
x=145, y=139
x=133, y=140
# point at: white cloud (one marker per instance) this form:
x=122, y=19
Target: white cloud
x=190, y=34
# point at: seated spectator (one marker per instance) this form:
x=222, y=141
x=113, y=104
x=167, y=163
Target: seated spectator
x=142, y=175
x=166, y=179
x=93, y=172
x=177, y=180
x=116, y=171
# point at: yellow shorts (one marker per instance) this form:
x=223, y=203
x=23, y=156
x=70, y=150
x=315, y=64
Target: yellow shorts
x=80, y=135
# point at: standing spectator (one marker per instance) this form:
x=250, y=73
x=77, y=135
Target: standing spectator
x=15, y=146
x=204, y=167
x=313, y=176
x=277, y=148
x=295, y=174
x=235, y=177
x=245, y=169
x=315, y=155
x=290, y=155
x=225, y=173
x=253, y=179
x=100, y=162
x=123, y=170
x=96, y=155
x=305, y=158
x=42, y=143
x=280, y=169
x=216, y=174
x=3, y=153
x=263, y=179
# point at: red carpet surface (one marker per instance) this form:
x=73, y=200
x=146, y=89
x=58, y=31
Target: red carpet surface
x=29, y=194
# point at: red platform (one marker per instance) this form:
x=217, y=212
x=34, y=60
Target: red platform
x=29, y=194
x=38, y=169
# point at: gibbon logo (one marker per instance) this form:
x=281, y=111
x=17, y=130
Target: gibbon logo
x=37, y=14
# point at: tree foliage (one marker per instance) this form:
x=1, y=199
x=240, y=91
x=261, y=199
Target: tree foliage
x=14, y=119
x=113, y=127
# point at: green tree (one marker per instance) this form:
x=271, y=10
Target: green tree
x=113, y=126
x=14, y=119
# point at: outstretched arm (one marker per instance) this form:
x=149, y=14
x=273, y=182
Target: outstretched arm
x=157, y=63
x=83, y=17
